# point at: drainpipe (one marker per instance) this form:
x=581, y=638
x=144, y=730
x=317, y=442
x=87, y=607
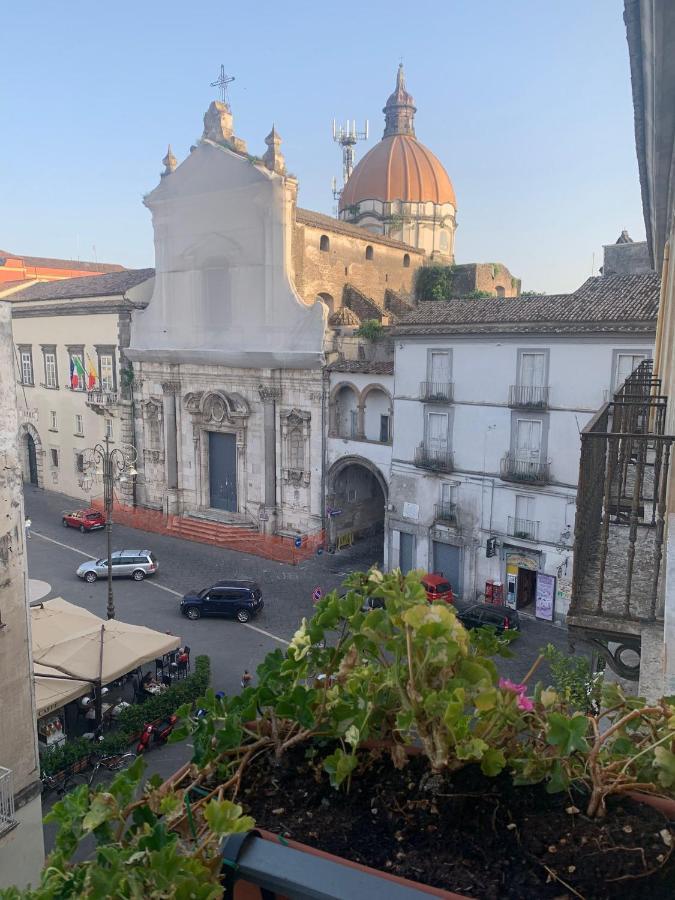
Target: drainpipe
x=663, y=311
x=324, y=450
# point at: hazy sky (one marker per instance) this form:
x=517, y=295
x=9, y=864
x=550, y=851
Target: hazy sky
x=527, y=103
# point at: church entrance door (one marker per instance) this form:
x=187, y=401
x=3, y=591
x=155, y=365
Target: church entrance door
x=223, y=471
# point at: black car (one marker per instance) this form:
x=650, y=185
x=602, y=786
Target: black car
x=233, y=599
x=499, y=617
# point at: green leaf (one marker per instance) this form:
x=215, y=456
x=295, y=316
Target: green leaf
x=103, y=808
x=568, y=734
x=471, y=749
x=493, y=762
x=664, y=761
x=225, y=817
x=558, y=780
x=486, y=700
x=339, y=766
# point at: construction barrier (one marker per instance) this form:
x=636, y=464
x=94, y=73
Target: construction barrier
x=230, y=537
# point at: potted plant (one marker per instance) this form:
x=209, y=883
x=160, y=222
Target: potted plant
x=389, y=738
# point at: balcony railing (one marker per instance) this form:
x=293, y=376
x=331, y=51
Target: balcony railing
x=7, y=817
x=527, y=471
x=527, y=396
x=102, y=398
x=525, y=529
x=620, y=520
x=436, y=391
x=447, y=513
x=437, y=460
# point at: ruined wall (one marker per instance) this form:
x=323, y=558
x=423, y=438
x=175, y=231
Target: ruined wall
x=488, y=277
x=326, y=272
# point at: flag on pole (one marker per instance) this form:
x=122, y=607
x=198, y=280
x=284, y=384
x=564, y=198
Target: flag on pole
x=91, y=374
x=77, y=373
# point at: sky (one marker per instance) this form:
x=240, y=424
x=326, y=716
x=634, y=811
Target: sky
x=527, y=104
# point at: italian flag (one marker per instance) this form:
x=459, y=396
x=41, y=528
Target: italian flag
x=91, y=374
x=77, y=373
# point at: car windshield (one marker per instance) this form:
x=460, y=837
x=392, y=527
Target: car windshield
x=153, y=558
x=101, y=562
x=203, y=593
x=443, y=587
x=92, y=515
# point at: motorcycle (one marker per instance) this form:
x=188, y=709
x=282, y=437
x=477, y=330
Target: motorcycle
x=156, y=733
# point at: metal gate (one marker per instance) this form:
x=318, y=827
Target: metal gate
x=448, y=561
x=223, y=471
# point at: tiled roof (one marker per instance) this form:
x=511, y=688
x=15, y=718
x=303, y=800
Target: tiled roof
x=362, y=365
x=328, y=223
x=609, y=303
x=49, y=263
x=86, y=286
x=344, y=316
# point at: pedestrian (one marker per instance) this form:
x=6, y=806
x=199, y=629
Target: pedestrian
x=28, y=526
x=246, y=678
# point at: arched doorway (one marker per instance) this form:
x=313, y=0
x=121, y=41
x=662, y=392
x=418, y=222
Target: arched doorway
x=32, y=460
x=32, y=453
x=356, y=500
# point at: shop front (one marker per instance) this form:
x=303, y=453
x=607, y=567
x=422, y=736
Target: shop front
x=528, y=588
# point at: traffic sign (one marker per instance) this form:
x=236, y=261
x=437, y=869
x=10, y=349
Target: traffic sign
x=317, y=594
x=298, y=542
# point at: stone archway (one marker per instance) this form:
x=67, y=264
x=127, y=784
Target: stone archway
x=32, y=454
x=356, y=494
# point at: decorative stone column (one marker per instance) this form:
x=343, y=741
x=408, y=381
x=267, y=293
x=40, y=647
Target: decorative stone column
x=169, y=391
x=269, y=395
x=361, y=422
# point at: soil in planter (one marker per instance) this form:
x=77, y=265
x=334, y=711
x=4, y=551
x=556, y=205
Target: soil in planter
x=480, y=837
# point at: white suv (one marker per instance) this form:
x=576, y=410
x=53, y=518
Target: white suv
x=131, y=563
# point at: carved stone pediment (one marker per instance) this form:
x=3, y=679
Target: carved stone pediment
x=193, y=400
x=294, y=417
x=216, y=407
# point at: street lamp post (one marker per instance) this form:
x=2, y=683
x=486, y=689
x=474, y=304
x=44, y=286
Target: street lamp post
x=111, y=465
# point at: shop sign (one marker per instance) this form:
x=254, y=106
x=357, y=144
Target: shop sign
x=545, y=597
x=411, y=511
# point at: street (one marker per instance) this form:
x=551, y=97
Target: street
x=55, y=552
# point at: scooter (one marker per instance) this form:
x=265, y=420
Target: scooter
x=158, y=734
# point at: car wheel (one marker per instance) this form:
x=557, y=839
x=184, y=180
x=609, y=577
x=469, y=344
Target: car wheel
x=243, y=615
x=90, y=577
x=64, y=523
x=192, y=613
x=138, y=575
x=82, y=529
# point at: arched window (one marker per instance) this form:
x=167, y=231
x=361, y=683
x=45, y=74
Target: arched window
x=445, y=244
x=369, y=252
x=406, y=260
x=324, y=243
x=296, y=449
x=500, y=291
x=328, y=300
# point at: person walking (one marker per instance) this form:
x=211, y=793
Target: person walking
x=28, y=527
x=246, y=678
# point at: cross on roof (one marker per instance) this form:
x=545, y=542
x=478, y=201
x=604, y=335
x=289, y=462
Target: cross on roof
x=222, y=82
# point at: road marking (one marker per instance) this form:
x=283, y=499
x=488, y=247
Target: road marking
x=160, y=587
x=61, y=544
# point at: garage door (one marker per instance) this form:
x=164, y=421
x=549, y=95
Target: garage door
x=406, y=557
x=447, y=560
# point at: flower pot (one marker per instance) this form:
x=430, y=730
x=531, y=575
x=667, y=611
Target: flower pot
x=246, y=890
x=665, y=805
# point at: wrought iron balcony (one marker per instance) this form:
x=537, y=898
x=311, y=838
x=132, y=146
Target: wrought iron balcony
x=525, y=529
x=620, y=521
x=101, y=399
x=437, y=460
x=527, y=396
x=446, y=513
x=436, y=391
x=7, y=817
x=526, y=471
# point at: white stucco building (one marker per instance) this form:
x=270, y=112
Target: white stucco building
x=489, y=399
x=61, y=329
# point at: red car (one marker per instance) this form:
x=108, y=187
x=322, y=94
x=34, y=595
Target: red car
x=84, y=519
x=438, y=588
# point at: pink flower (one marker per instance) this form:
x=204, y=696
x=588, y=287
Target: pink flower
x=507, y=685
x=524, y=703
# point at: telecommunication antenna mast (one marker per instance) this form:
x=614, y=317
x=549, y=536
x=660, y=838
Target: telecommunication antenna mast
x=347, y=136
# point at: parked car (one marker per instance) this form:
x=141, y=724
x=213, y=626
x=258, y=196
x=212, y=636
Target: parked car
x=372, y=603
x=499, y=617
x=84, y=519
x=135, y=564
x=238, y=600
x=438, y=588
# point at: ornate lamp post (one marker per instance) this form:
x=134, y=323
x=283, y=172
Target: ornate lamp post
x=116, y=464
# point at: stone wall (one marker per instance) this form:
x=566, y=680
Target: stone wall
x=325, y=273
x=627, y=259
x=488, y=277
x=21, y=850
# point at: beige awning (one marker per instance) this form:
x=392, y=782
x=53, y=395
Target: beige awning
x=73, y=642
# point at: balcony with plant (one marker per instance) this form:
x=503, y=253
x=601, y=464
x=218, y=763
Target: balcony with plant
x=388, y=737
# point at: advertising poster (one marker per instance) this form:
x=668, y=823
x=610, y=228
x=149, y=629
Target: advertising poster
x=545, y=597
